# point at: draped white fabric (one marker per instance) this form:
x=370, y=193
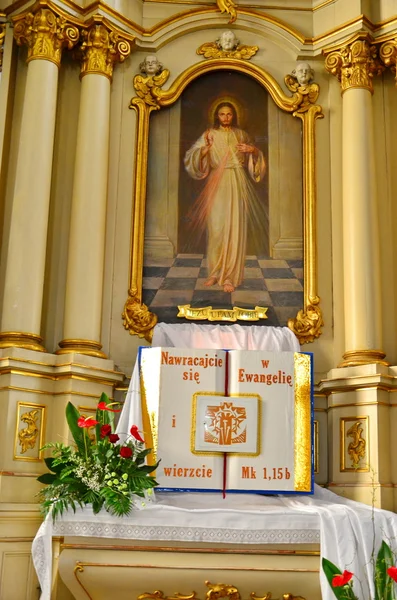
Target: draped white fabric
x=347, y=530
x=191, y=335
x=227, y=337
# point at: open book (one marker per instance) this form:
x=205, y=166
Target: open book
x=229, y=420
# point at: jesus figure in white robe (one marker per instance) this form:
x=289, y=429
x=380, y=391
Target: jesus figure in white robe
x=224, y=156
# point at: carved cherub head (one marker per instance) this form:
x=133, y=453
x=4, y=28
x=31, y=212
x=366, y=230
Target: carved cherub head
x=303, y=73
x=227, y=41
x=150, y=65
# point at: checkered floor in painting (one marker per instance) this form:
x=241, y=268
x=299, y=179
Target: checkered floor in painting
x=273, y=283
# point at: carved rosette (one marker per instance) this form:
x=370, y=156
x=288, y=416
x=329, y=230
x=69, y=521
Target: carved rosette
x=354, y=64
x=2, y=36
x=212, y=50
x=101, y=47
x=388, y=55
x=45, y=33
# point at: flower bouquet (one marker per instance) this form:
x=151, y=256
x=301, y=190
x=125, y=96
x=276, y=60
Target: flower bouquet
x=97, y=470
x=385, y=574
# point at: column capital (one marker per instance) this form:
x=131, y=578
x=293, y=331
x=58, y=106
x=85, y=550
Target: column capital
x=45, y=31
x=388, y=54
x=355, y=63
x=2, y=36
x=102, y=45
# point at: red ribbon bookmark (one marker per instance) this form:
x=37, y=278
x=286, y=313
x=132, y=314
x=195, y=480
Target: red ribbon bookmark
x=226, y=394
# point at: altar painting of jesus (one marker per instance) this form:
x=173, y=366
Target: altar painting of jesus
x=225, y=157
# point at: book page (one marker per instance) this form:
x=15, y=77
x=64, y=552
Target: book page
x=271, y=376
x=182, y=374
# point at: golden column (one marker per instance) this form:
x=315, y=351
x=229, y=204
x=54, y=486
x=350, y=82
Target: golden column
x=354, y=64
x=45, y=32
x=102, y=46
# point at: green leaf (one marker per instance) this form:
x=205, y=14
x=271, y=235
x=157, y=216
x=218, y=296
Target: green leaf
x=342, y=593
x=50, y=464
x=384, y=585
x=47, y=478
x=72, y=414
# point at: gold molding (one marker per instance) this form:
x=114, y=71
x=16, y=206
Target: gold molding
x=80, y=567
x=14, y=388
x=102, y=45
x=350, y=404
x=20, y=339
x=45, y=31
x=190, y=550
x=137, y=318
x=88, y=347
x=2, y=37
x=354, y=63
x=359, y=448
x=370, y=484
x=355, y=358
x=33, y=433
x=247, y=10
x=16, y=474
x=56, y=376
x=58, y=365
x=219, y=590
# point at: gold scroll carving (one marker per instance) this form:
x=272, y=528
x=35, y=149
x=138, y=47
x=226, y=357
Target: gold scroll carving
x=228, y=7
x=356, y=448
x=101, y=47
x=2, y=36
x=388, y=55
x=354, y=452
x=150, y=96
x=215, y=592
x=212, y=50
x=28, y=436
x=355, y=63
x=45, y=33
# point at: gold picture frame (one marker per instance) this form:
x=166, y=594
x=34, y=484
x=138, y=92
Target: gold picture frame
x=29, y=431
x=137, y=318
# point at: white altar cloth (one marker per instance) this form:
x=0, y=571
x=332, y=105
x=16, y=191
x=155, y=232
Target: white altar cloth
x=346, y=530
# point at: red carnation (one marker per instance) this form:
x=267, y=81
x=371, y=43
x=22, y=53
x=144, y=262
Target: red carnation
x=392, y=572
x=135, y=433
x=113, y=438
x=105, y=431
x=341, y=580
x=104, y=406
x=86, y=422
x=125, y=452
